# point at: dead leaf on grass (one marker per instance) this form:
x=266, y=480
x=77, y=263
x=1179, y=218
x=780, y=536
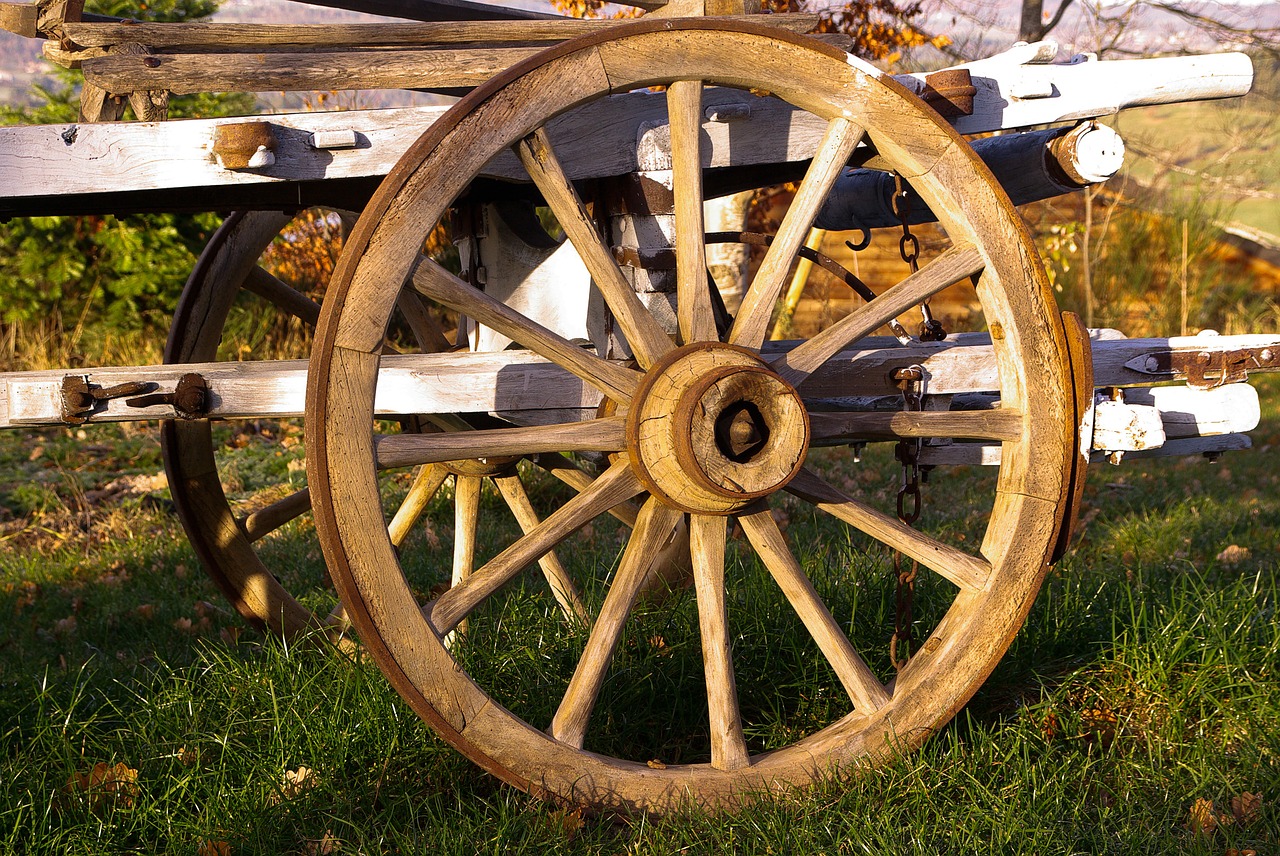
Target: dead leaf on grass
x=565, y=823
x=1205, y=818
x=105, y=786
x=1234, y=555
x=327, y=845
x=210, y=847
x=1247, y=808
x=65, y=626
x=295, y=783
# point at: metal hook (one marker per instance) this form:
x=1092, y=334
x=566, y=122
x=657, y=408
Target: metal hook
x=863, y=244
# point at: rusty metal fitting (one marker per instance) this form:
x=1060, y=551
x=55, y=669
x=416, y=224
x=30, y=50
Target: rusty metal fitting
x=244, y=145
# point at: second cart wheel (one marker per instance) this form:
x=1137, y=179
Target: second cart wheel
x=709, y=429
x=227, y=536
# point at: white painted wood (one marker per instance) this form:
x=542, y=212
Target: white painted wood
x=615, y=136
x=516, y=380
x=600, y=140
x=1122, y=427
x=431, y=383
x=1020, y=88
x=1188, y=412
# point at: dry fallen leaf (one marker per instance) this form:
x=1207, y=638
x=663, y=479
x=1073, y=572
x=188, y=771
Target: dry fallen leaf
x=1203, y=820
x=565, y=823
x=145, y=611
x=297, y=782
x=209, y=847
x=230, y=636
x=1247, y=807
x=182, y=625
x=324, y=846
x=659, y=645
x=65, y=626
x=1234, y=555
x=105, y=786
x=657, y=765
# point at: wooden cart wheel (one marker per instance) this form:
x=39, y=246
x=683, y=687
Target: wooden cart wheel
x=710, y=430
x=224, y=537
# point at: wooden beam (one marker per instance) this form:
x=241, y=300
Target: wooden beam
x=236, y=37
x=19, y=18
x=518, y=380
x=184, y=74
x=434, y=10
x=58, y=169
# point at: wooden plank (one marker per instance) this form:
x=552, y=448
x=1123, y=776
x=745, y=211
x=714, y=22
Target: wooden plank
x=183, y=74
x=19, y=18
x=445, y=383
x=434, y=10
x=520, y=381
x=42, y=161
x=240, y=36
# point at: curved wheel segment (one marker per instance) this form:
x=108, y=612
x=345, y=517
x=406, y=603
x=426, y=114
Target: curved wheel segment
x=709, y=436
x=228, y=532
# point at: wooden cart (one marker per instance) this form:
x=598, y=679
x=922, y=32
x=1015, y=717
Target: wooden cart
x=609, y=361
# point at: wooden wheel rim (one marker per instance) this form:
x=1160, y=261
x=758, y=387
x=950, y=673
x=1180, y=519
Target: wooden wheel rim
x=1030, y=357
x=225, y=552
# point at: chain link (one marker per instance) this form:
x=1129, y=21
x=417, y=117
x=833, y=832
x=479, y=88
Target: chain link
x=931, y=329
x=911, y=383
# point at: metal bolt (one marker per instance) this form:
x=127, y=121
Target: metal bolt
x=1267, y=355
x=1152, y=364
x=151, y=61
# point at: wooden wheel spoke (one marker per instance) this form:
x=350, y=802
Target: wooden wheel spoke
x=425, y=485
x=566, y=471
x=266, y=520
x=859, y=681
x=440, y=285
x=654, y=527
x=647, y=339
x=694, y=312
x=834, y=428
x=969, y=573
x=466, y=516
x=706, y=540
x=615, y=485
x=593, y=435
x=957, y=263
x=284, y=296
x=838, y=143
x=426, y=329
x=562, y=587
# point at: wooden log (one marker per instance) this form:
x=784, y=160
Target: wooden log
x=1029, y=166
x=184, y=74
x=239, y=37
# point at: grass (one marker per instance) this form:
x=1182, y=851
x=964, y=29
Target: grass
x=1145, y=680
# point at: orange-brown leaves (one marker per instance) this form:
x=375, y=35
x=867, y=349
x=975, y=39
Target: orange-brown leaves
x=104, y=787
x=1206, y=818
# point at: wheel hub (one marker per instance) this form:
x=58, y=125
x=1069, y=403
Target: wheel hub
x=713, y=428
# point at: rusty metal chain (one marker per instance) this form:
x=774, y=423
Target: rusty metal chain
x=931, y=329
x=911, y=383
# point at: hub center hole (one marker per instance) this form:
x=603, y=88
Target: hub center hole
x=741, y=431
